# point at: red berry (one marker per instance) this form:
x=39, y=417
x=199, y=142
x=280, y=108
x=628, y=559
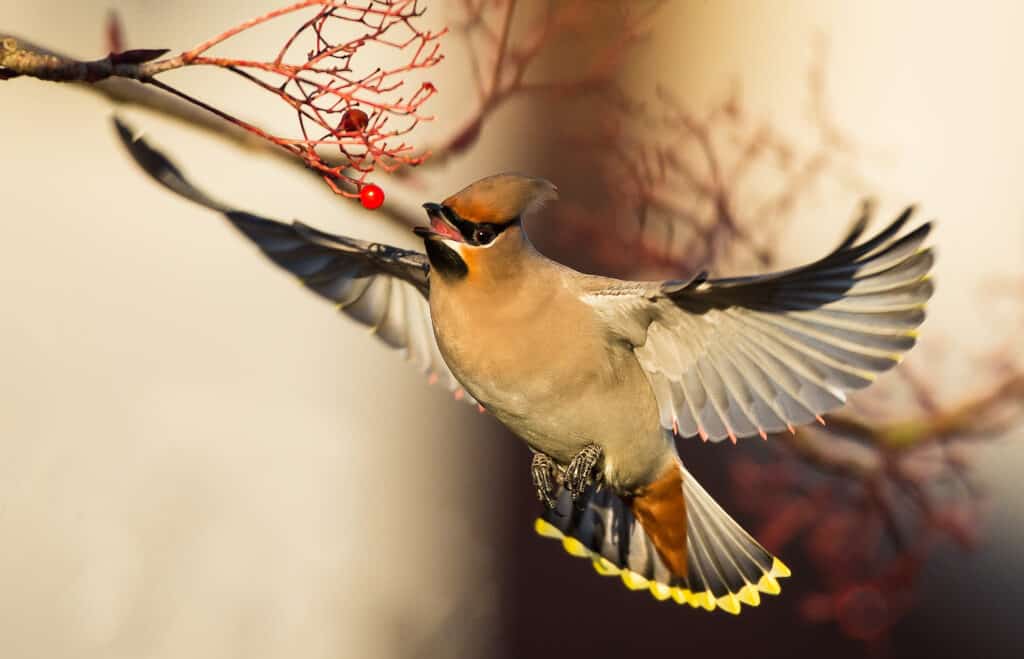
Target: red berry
x=354, y=120
x=371, y=196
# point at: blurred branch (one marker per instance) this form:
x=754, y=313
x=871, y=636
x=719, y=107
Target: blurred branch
x=991, y=413
x=486, y=26
x=698, y=188
x=871, y=498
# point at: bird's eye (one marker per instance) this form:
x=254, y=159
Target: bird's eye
x=482, y=235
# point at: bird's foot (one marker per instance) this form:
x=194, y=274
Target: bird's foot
x=580, y=472
x=543, y=471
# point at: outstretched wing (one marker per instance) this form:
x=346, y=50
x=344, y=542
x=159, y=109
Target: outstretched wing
x=382, y=287
x=752, y=355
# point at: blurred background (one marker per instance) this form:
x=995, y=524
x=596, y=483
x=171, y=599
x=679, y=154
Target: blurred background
x=201, y=459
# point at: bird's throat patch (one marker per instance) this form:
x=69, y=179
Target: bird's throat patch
x=445, y=261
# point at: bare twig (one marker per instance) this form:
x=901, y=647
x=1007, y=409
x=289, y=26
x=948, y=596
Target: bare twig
x=359, y=110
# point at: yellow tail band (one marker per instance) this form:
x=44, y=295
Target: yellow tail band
x=750, y=594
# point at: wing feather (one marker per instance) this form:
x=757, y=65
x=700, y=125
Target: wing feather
x=382, y=287
x=750, y=355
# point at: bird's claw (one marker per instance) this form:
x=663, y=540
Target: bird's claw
x=580, y=472
x=543, y=471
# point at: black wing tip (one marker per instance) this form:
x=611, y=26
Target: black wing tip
x=868, y=205
x=916, y=235
x=152, y=161
x=907, y=212
x=901, y=220
x=923, y=231
x=161, y=169
x=883, y=238
x=904, y=217
x=124, y=131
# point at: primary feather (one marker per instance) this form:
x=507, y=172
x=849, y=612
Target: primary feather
x=753, y=355
x=380, y=286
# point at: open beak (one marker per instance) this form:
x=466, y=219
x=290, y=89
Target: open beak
x=439, y=226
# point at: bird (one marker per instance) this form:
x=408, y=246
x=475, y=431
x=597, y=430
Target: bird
x=601, y=376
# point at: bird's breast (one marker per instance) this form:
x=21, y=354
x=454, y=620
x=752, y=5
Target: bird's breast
x=515, y=354
x=545, y=367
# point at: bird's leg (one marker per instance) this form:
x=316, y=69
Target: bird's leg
x=543, y=471
x=580, y=471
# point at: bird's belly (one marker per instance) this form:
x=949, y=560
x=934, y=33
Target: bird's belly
x=542, y=398
x=561, y=425
x=566, y=401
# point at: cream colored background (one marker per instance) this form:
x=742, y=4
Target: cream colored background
x=197, y=459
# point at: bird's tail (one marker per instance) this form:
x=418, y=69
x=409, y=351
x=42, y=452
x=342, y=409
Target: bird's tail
x=672, y=539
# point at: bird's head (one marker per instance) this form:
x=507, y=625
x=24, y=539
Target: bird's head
x=480, y=226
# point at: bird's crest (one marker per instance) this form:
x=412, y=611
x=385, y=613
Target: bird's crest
x=501, y=198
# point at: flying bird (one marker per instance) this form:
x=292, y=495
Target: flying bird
x=599, y=376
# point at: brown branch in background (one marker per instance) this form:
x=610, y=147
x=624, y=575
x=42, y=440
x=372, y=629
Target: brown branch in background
x=17, y=60
x=714, y=187
x=506, y=66
x=870, y=495
x=869, y=499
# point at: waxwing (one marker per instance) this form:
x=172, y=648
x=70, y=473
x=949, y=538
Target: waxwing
x=599, y=376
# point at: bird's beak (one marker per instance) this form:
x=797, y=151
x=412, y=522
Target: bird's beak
x=440, y=227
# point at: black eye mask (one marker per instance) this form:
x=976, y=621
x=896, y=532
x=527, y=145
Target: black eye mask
x=474, y=233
